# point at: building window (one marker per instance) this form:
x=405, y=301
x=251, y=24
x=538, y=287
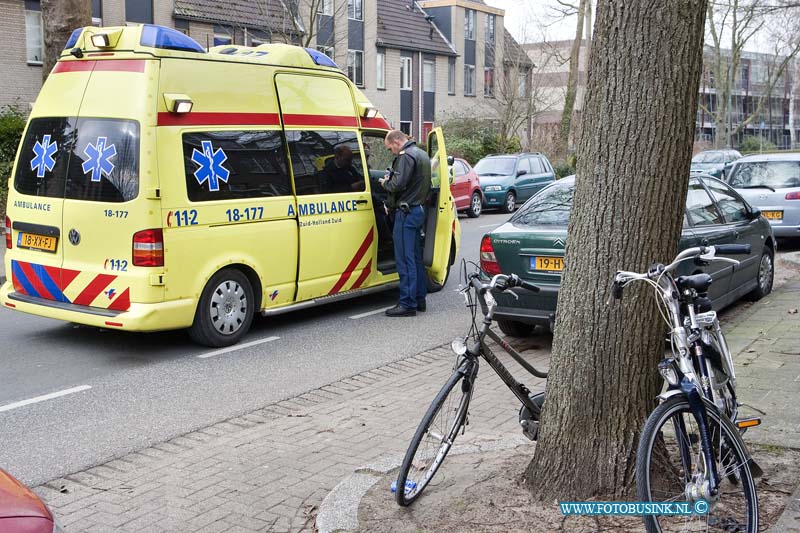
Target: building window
x=325, y=7
x=222, y=35
x=355, y=9
x=429, y=76
x=469, y=24
x=34, y=39
x=451, y=75
x=255, y=37
x=327, y=50
x=381, y=71
x=490, y=26
x=405, y=127
x=139, y=11
x=469, y=80
x=522, y=82
x=488, y=81
x=182, y=26
x=355, y=66
x=405, y=73
x=97, y=13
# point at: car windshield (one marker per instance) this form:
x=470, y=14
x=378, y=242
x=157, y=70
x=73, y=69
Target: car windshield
x=774, y=174
x=550, y=207
x=708, y=157
x=495, y=166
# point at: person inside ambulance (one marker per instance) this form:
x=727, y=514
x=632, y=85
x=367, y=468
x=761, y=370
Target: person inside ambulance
x=338, y=174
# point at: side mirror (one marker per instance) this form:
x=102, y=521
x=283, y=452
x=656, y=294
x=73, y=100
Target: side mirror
x=755, y=213
x=450, y=160
x=521, y=172
x=452, y=174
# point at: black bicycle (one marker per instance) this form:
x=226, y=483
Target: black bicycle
x=449, y=412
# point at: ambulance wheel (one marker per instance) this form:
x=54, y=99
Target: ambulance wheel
x=225, y=310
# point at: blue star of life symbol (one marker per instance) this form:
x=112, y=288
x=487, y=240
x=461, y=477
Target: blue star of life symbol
x=44, y=160
x=210, y=162
x=99, y=161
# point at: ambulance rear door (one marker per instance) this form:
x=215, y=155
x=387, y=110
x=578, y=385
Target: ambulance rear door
x=334, y=206
x=441, y=217
x=111, y=198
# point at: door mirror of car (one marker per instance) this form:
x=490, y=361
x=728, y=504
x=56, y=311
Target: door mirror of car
x=450, y=160
x=755, y=213
x=521, y=172
x=452, y=173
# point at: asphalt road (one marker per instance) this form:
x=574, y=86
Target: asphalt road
x=123, y=392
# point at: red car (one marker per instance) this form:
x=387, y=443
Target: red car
x=466, y=189
x=21, y=510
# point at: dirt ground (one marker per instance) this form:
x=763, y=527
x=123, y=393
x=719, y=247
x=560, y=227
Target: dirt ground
x=485, y=493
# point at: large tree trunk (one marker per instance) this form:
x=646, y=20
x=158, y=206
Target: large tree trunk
x=572, y=82
x=59, y=19
x=633, y=168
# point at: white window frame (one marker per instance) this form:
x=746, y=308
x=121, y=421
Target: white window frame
x=522, y=82
x=488, y=88
x=469, y=24
x=355, y=9
x=380, y=65
x=429, y=78
x=355, y=61
x=451, y=77
x=405, y=73
x=325, y=7
x=469, y=80
x=491, y=28
x=410, y=126
x=34, y=37
x=327, y=50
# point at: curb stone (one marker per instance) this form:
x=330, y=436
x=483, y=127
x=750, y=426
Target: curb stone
x=338, y=512
x=789, y=521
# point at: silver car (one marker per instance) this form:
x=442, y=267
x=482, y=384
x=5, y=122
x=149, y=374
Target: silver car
x=771, y=182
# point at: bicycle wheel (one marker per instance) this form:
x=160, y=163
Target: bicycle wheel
x=434, y=438
x=670, y=467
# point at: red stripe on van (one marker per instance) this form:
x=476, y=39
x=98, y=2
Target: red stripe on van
x=376, y=122
x=34, y=280
x=319, y=120
x=111, y=65
x=353, y=263
x=218, y=119
x=100, y=282
x=123, y=301
x=364, y=275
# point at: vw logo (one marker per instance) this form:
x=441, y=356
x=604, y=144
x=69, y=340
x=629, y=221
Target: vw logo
x=74, y=237
x=558, y=242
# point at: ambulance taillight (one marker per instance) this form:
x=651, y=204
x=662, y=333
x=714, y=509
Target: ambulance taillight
x=148, y=248
x=8, y=233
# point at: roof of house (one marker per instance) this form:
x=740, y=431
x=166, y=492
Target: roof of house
x=404, y=25
x=262, y=14
x=513, y=53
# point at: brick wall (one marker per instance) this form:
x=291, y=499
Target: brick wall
x=20, y=82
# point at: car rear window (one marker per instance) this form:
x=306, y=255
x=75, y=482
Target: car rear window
x=550, y=207
x=495, y=166
x=775, y=174
x=90, y=159
x=708, y=157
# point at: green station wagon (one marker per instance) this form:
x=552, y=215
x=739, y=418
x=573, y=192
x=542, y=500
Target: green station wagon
x=531, y=245
x=510, y=179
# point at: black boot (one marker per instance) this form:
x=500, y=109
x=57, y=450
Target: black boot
x=399, y=310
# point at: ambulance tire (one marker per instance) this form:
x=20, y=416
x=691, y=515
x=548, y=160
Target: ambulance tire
x=227, y=286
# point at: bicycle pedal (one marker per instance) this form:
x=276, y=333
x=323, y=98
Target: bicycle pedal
x=745, y=423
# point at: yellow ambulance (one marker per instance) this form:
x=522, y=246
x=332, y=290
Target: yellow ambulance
x=162, y=186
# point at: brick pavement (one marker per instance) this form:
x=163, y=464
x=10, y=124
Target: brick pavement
x=270, y=469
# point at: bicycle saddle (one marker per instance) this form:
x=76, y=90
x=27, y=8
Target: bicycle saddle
x=698, y=282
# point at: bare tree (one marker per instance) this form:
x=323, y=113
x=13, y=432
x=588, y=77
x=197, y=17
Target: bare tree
x=633, y=162
x=59, y=19
x=572, y=80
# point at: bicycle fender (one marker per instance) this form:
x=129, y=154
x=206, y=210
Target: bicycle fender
x=698, y=408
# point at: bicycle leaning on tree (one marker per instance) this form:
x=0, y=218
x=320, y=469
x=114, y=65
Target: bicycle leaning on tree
x=448, y=414
x=691, y=447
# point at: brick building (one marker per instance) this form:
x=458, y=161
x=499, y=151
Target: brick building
x=419, y=62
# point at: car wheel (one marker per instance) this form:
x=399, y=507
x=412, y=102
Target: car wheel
x=765, y=276
x=225, y=310
x=510, y=203
x=475, y=205
x=515, y=328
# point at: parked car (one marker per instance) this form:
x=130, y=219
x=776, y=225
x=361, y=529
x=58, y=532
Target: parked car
x=771, y=182
x=21, y=510
x=715, y=163
x=531, y=245
x=510, y=179
x=466, y=189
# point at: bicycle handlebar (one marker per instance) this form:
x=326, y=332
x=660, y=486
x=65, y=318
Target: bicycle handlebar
x=501, y=282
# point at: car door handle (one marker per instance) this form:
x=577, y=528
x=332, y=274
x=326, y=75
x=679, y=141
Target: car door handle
x=359, y=202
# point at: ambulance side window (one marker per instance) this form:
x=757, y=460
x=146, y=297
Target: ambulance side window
x=223, y=165
x=325, y=162
x=43, y=157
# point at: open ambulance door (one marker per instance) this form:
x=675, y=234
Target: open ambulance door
x=440, y=219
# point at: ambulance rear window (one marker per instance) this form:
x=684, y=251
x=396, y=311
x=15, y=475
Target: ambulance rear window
x=222, y=165
x=89, y=159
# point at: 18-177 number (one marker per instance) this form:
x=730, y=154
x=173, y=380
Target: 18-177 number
x=247, y=213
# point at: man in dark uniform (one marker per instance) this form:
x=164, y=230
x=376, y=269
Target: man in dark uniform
x=408, y=184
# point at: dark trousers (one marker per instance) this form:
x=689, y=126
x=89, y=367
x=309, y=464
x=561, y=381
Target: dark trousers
x=408, y=255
